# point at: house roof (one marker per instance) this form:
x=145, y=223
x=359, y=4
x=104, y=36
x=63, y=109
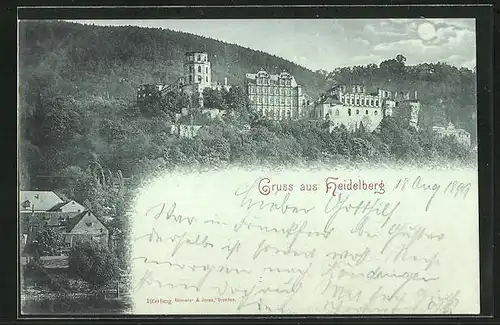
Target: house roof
x=58, y=206
x=75, y=220
x=39, y=200
x=52, y=219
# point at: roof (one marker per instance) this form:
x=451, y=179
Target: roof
x=58, y=206
x=273, y=77
x=39, y=200
x=53, y=219
x=331, y=100
x=75, y=220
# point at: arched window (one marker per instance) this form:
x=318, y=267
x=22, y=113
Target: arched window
x=190, y=68
x=376, y=112
x=366, y=112
x=337, y=112
x=190, y=79
x=198, y=58
x=199, y=68
x=349, y=112
x=357, y=111
x=199, y=78
x=206, y=70
x=206, y=79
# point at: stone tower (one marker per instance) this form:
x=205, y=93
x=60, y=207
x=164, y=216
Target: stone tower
x=197, y=73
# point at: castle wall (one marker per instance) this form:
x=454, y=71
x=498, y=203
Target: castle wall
x=352, y=116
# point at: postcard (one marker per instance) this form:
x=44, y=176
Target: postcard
x=266, y=166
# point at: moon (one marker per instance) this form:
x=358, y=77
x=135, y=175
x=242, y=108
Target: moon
x=426, y=31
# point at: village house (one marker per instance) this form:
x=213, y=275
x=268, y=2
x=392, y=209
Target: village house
x=460, y=135
x=36, y=201
x=45, y=210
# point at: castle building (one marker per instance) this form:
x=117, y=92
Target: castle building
x=275, y=96
x=197, y=73
x=460, y=135
x=197, y=76
x=353, y=105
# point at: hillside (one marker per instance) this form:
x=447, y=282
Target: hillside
x=92, y=60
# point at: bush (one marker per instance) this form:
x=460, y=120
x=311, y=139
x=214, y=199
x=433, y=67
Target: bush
x=93, y=263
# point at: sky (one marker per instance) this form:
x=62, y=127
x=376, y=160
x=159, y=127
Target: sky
x=331, y=43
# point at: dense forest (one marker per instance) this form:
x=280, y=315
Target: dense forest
x=78, y=111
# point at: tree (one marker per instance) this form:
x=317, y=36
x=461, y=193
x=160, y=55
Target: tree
x=93, y=263
x=48, y=242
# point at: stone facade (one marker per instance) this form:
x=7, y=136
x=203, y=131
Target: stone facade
x=352, y=106
x=275, y=96
x=460, y=135
x=197, y=73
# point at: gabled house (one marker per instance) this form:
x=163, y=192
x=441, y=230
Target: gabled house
x=37, y=201
x=85, y=226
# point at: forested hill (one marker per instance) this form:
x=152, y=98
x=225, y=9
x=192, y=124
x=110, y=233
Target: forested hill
x=78, y=88
x=93, y=59
x=83, y=60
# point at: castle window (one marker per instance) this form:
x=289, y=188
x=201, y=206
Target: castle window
x=366, y=112
x=357, y=111
x=376, y=112
x=206, y=79
x=349, y=112
x=199, y=68
x=206, y=70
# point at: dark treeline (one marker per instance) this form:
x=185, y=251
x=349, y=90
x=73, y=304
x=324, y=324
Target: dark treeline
x=447, y=93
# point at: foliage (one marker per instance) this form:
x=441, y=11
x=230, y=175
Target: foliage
x=93, y=263
x=48, y=242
